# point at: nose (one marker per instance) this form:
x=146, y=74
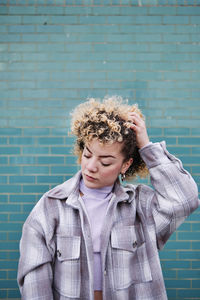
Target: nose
x=92, y=165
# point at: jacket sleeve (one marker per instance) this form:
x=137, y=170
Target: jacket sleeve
x=174, y=195
x=35, y=263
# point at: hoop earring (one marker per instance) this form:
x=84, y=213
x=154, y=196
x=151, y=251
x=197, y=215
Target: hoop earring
x=123, y=177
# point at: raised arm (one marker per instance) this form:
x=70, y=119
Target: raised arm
x=175, y=194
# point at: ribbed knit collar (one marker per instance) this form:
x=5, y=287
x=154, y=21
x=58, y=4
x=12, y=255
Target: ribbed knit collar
x=98, y=194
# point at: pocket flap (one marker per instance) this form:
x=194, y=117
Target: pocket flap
x=68, y=247
x=127, y=237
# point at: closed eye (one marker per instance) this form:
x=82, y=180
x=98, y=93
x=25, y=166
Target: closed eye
x=105, y=165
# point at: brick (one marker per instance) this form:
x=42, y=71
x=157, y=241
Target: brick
x=195, y=264
x=10, y=208
x=188, y=11
x=47, y=160
x=14, y=293
x=21, y=28
x=50, y=179
x=35, y=150
x=195, y=37
x=97, y=19
x=195, y=283
x=169, y=273
x=177, y=131
x=9, y=265
x=50, y=141
x=196, y=227
x=189, y=140
x=162, y=11
x=195, y=20
x=36, y=19
x=3, y=179
x=189, y=273
x=188, y=236
x=177, y=283
x=9, y=170
x=21, y=141
x=147, y=20
x=35, y=38
x=21, y=179
x=10, y=189
x=3, y=274
x=171, y=245
x=49, y=28
x=14, y=236
x=64, y=169
x=35, y=188
x=175, y=20
x=10, y=19
x=22, y=160
x=36, y=131
x=190, y=255
x=3, y=9
x=36, y=75
x=22, y=10
x=3, y=28
x=3, y=294
x=167, y=255
x=48, y=10
x=35, y=170
x=78, y=10
x=189, y=293
x=185, y=227
x=190, y=160
x=23, y=198
x=8, y=284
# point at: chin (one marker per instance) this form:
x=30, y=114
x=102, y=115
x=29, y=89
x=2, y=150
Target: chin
x=91, y=185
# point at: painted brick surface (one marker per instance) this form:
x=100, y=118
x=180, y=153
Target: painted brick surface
x=55, y=54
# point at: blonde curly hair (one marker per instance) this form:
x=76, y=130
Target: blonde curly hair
x=107, y=121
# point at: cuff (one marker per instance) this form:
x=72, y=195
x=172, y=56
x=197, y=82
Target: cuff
x=154, y=154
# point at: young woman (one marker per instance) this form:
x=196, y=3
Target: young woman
x=93, y=237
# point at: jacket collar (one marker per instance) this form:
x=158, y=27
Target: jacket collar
x=124, y=193
x=69, y=191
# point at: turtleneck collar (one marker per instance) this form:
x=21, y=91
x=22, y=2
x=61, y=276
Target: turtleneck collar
x=100, y=193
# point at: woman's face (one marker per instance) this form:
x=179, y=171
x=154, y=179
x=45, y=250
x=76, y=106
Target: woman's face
x=102, y=163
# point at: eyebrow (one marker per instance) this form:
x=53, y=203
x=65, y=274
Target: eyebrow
x=101, y=156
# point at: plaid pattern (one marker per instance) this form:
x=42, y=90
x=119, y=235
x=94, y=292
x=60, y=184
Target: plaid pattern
x=56, y=260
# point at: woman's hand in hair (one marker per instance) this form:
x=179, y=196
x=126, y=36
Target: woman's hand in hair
x=139, y=127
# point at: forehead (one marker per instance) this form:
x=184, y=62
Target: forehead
x=105, y=149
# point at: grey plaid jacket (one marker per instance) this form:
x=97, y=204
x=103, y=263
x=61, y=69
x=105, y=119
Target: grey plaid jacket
x=56, y=260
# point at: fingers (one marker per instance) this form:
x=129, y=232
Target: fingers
x=139, y=127
x=136, y=120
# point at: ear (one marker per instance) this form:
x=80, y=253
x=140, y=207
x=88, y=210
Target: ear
x=126, y=165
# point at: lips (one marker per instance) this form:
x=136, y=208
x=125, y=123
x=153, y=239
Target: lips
x=90, y=178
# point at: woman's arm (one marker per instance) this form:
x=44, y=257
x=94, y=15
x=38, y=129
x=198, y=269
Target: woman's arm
x=175, y=194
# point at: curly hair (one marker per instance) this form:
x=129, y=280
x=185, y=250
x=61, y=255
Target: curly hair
x=107, y=121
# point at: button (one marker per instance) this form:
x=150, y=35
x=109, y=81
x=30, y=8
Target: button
x=58, y=253
x=135, y=244
x=105, y=272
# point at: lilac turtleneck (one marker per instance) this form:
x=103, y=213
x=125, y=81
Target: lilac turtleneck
x=96, y=202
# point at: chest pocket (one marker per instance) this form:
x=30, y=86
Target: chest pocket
x=67, y=278
x=129, y=256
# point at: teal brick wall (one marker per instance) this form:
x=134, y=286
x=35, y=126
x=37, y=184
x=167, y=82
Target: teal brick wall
x=56, y=53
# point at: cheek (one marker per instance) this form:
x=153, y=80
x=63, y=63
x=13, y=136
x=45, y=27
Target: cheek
x=112, y=172
x=82, y=162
